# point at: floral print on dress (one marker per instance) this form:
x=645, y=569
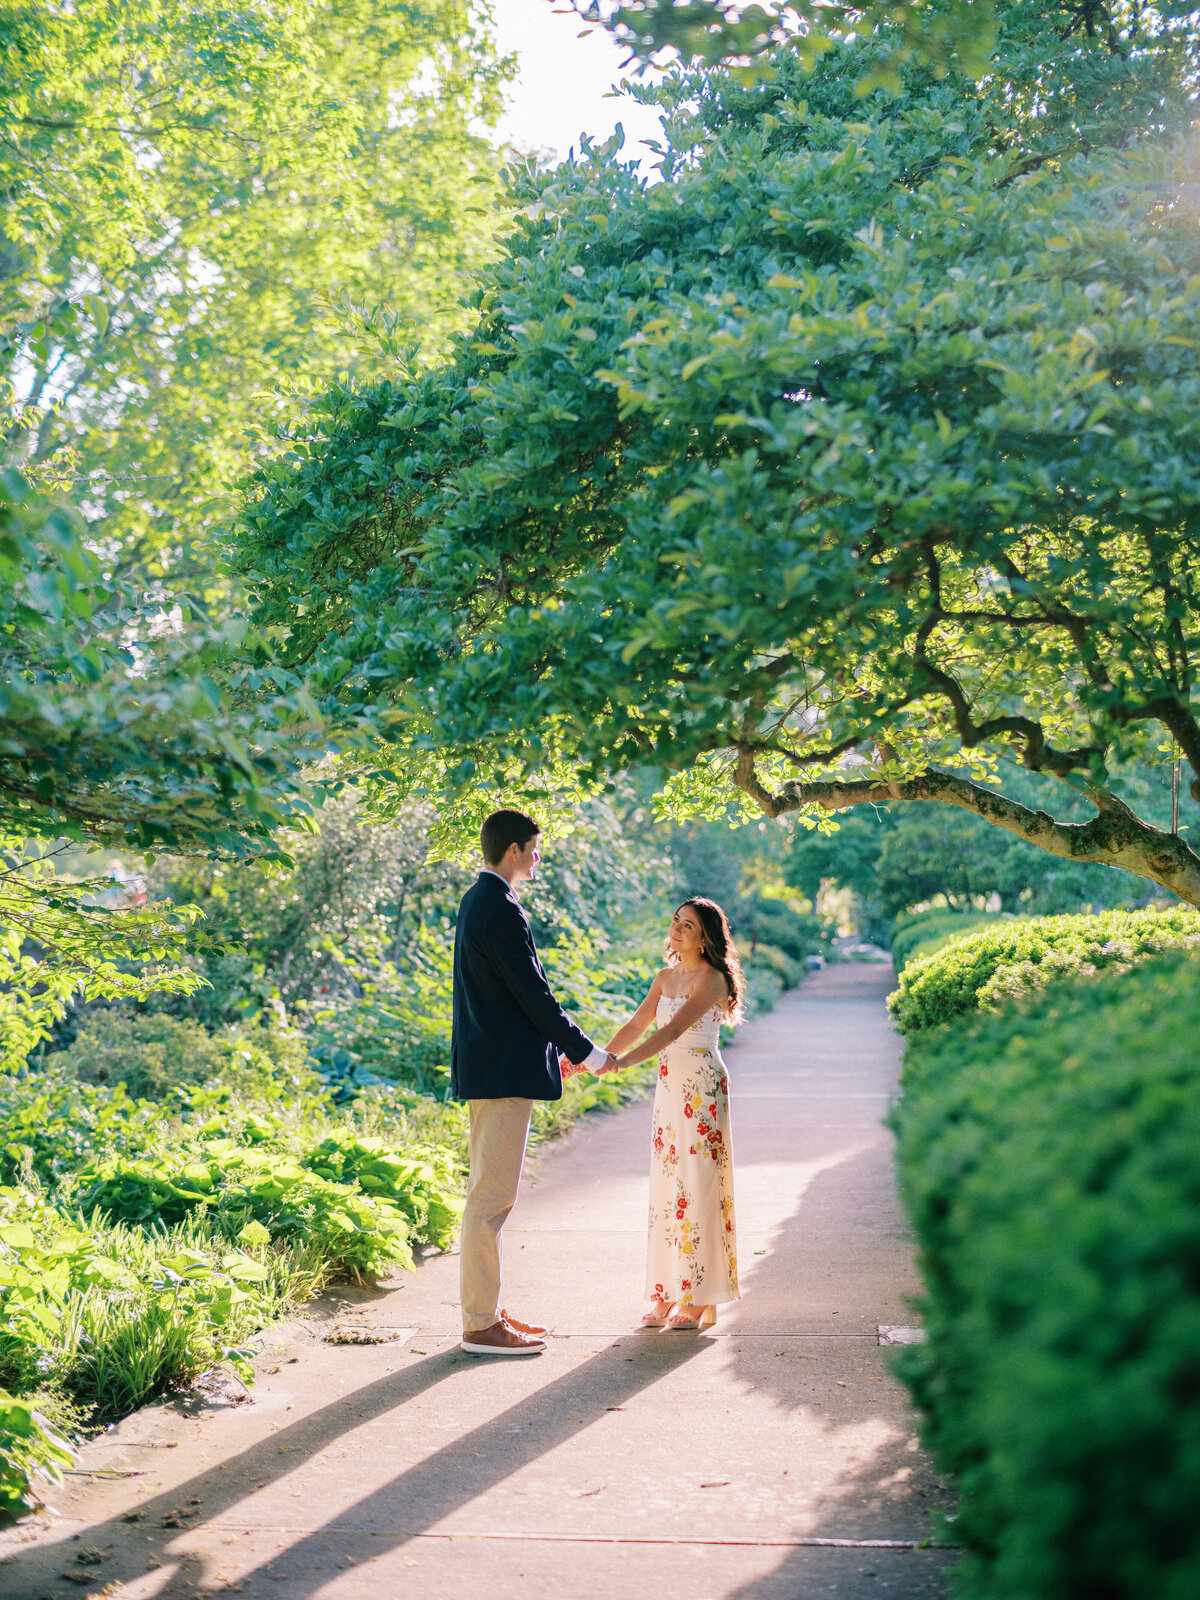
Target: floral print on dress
x=692, y=1256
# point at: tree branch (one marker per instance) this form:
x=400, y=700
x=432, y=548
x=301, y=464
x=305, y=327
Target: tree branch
x=1114, y=838
x=1039, y=755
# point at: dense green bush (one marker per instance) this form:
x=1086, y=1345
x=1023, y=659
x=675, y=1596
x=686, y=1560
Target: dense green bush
x=152, y=1054
x=50, y=1125
x=921, y=933
x=230, y=1185
x=420, y=1187
x=1019, y=957
x=769, y=958
x=1048, y=1162
x=763, y=988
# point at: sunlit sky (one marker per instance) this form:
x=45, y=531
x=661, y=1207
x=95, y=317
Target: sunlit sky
x=564, y=82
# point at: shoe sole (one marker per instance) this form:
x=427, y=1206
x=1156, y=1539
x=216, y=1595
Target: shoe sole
x=500, y=1350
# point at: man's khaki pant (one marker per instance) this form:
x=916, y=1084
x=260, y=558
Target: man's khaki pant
x=499, y=1134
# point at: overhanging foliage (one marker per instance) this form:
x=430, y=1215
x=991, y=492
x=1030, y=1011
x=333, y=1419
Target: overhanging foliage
x=858, y=451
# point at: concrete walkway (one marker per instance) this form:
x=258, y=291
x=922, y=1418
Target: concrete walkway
x=620, y=1462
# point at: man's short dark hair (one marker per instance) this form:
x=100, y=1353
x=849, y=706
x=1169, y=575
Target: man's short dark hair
x=503, y=828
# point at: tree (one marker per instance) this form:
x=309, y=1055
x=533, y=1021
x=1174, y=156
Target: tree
x=120, y=732
x=710, y=31
x=856, y=454
x=146, y=740
x=198, y=198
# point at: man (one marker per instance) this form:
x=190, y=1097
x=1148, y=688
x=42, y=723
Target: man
x=508, y=1031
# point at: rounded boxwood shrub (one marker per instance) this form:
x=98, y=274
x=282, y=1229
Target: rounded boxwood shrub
x=921, y=932
x=1048, y=1160
x=1017, y=957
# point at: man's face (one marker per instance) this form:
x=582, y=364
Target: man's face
x=528, y=859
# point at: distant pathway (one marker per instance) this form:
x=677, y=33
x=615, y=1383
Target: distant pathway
x=618, y=1464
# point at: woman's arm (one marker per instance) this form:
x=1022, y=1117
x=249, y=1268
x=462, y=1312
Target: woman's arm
x=627, y=1033
x=711, y=990
x=630, y=1032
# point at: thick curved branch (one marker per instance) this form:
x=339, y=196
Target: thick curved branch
x=1039, y=756
x=1114, y=838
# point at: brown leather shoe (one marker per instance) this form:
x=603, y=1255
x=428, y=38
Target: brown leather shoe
x=500, y=1340
x=532, y=1330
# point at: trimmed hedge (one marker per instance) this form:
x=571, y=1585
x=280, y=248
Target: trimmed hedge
x=1018, y=957
x=921, y=932
x=1048, y=1159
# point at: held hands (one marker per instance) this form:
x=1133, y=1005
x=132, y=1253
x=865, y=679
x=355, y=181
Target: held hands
x=570, y=1070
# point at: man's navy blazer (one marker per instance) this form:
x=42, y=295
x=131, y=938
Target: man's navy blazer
x=508, y=1027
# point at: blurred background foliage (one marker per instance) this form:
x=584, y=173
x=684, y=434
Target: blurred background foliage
x=350, y=939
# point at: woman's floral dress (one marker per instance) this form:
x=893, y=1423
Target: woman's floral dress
x=693, y=1241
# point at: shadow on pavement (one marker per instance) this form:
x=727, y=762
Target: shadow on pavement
x=446, y=1480
x=887, y=1488
x=219, y=1488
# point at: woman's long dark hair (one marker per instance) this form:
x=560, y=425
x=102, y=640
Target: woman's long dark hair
x=718, y=949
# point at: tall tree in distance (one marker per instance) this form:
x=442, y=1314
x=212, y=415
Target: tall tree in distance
x=197, y=195
x=197, y=198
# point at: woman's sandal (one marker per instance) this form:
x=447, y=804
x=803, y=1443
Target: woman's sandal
x=658, y=1317
x=689, y=1319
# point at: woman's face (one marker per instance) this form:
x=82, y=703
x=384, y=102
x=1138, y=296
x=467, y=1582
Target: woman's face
x=686, y=936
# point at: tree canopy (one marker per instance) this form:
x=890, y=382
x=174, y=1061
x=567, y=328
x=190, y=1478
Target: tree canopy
x=119, y=731
x=857, y=452
x=197, y=198
x=709, y=31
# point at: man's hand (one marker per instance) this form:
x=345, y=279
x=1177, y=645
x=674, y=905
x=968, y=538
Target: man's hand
x=614, y=1064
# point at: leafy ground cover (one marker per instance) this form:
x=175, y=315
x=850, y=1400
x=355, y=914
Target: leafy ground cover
x=143, y=1243
x=1048, y=1161
x=1018, y=957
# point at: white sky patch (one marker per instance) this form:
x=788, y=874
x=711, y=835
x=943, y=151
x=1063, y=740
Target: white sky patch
x=564, y=83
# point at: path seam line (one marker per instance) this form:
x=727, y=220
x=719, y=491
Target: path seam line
x=805, y=1543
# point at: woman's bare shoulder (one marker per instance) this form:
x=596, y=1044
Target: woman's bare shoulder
x=716, y=985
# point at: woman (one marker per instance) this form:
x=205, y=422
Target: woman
x=691, y=1267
